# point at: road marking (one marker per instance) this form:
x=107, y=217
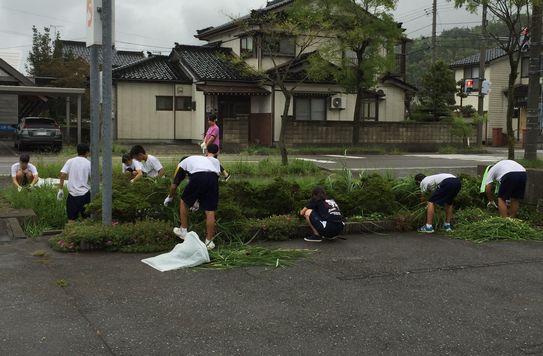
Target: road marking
x=460, y=157
x=349, y=157
x=315, y=160
x=399, y=168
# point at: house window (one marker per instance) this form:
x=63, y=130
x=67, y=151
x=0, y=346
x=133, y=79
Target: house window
x=313, y=109
x=183, y=103
x=471, y=72
x=247, y=46
x=525, y=67
x=164, y=103
x=284, y=46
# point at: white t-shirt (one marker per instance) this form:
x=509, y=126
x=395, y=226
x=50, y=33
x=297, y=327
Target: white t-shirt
x=152, y=166
x=78, y=170
x=497, y=171
x=135, y=166
x=430, y=183
x=29, y=168
x=195, y=164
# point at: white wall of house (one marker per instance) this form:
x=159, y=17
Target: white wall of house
x=137, y=117
x=198, y=119
x=261, y=104
x=392, y=108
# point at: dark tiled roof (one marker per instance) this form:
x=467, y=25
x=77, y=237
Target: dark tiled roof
x=212, y=63
x=154, y=68
x=491, y=55
x=271, y=5
x=119, y=58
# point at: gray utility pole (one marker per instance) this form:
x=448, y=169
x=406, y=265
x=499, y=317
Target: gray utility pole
x=434, y=28
x=95, y=121
x=534, y=87
x=107, y=45
x=482, y=63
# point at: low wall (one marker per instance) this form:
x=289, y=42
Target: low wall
x=408, y=135
x=235, y=134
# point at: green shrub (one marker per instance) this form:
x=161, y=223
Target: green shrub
x=469, y=195
x=142, y=236
x=279, y=227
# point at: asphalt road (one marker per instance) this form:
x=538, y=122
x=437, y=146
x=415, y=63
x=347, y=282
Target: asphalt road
x=395, y=165
x=398, y=294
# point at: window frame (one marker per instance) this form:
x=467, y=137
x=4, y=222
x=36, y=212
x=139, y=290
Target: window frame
x=310, y=98
x=245, y=52
x=524, y=61
x=162, y=97
x=276, y=49
x=188, y=101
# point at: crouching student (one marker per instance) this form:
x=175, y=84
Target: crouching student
x=24, y=173
x=444, y=188
x=131, y=166
x=203, y=186
x=323, y=216
x=77, y=170
x=151, y=166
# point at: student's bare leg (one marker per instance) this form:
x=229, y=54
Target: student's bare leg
x=184, y=214
x=210, y=225
x=502, y=207
x=430, y=211
x=29, y=177
x=515, y=204
x=19, y=177
x=448, y=213
x=307, y=213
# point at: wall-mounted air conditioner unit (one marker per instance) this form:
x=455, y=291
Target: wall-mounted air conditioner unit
x=338, y=102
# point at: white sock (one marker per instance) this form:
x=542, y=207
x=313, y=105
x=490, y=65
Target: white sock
x=183, y=230
x=428, y=226
x=207, y=242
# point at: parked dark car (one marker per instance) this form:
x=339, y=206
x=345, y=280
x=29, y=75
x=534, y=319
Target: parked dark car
x=38, y=132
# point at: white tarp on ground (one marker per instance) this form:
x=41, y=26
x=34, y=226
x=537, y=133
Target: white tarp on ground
x=192, y=252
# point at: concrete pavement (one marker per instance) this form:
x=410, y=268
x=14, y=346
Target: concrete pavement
x=389, y=294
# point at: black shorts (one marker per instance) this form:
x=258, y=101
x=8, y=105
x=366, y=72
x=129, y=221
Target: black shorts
x=325, y=228
x=76, y=205
x=512, y=185
x=202, y=187
x=446, y=191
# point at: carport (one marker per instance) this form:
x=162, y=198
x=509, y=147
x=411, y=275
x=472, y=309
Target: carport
x=67, y=93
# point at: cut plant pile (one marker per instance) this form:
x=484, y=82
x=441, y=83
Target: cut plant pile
x=240, y=255
x=497, y=228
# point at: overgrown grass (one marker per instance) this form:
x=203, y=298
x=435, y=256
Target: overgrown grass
x=497, y=228
x=50, y=213
x=461, y=150
x=527, y=163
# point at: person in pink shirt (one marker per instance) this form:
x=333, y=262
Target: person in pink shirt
x=212, y=136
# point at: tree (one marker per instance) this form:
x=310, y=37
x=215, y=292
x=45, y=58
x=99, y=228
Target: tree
x=515, y=15
x=41, y=52
x=299, y=28
x=437, y=92
x=363, y=51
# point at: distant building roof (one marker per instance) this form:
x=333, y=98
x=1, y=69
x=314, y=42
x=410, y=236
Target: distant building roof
x=271, y=5
x=155, y=68
x=12, y=75
x=119, y=58
x=213, y=63
x=491, y=55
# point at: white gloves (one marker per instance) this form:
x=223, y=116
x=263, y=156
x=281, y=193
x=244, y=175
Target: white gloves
x=60, y=194
x=19, y=188
x=195, y=206
x=203, y=146
x=492, y=204
x=168, y=200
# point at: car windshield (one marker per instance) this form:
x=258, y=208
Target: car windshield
x=40, y=123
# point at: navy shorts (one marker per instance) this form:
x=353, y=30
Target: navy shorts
x=75, y=206
x=325, y=228
x=512, y=185
x=202, y=187
x=446, y=191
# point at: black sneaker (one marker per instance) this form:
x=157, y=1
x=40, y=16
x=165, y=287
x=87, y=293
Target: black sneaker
x=313, y=238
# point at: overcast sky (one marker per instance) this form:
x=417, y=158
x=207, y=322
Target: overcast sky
x=156, y=24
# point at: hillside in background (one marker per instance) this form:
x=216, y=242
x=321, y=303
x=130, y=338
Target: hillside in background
x=452, y=45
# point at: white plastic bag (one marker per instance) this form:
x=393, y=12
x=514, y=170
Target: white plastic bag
x=192, y=252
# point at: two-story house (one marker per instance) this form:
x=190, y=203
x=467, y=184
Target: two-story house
x=495, y=103
x=169, y=97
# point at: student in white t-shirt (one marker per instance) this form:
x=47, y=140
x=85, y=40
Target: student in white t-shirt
x=512, y=179
x=151, y=166
x=131, y=166
x=24, y=173
x=77, y=170
x=444, y=188
x=203, y=187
